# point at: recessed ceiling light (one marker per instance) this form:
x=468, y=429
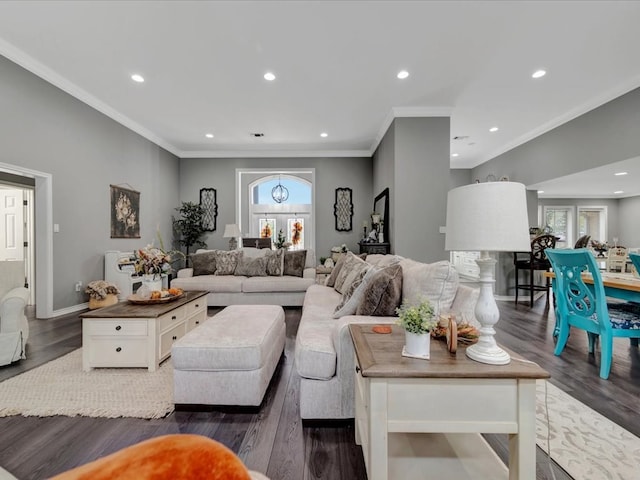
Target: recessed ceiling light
x=618, y=174
x=402, y=74
x=209, y=135
x=324, y=134
x=619, y=191
x=493, y=129
x=454, y=154
x=137, y=78
x=538, y=74
x=269, y=76
x=540, y=191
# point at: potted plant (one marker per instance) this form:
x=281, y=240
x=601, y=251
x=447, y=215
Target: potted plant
x=417, y=320
x=189, y=226
x=101, y=294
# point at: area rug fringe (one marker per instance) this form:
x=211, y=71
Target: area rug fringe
x=60, y=387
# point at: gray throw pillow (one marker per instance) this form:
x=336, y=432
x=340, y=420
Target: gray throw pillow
x=331, y=279
x=275, y=262
x=226, y=262
x=294, y=262
x=203, y=263
x=251, y=267
x=349, y=272
x=353, y=295
x=383, y=293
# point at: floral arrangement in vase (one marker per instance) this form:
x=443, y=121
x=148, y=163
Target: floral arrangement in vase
x=155, y=261
x=99, y=289
x=416, y=318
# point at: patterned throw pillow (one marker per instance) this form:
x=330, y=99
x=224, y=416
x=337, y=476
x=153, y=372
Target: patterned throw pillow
x=203, y=263
x=226, y=262
x=349, y=272
x=331, y=279
x=294, y=262
x=251, y=267
x=275, y=262
x=353, y=295
x=383, y=293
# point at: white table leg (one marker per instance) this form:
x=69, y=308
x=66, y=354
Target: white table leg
x=378, y=435
x=522, y=446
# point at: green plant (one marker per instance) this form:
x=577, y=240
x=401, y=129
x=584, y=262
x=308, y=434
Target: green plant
x=322, y=260
x=416, y=318
x=189, y=226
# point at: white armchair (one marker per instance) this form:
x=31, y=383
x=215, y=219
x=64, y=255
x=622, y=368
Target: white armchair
x=14, y=327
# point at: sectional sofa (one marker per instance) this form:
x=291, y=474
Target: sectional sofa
x=324, y=355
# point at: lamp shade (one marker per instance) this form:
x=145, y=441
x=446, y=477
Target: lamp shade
x=231, y=230
x=488, y=217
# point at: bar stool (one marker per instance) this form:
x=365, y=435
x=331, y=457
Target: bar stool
x=536, y=260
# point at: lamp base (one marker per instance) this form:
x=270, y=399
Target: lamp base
x=233, y=243
x=492, y=356
x=487, y=313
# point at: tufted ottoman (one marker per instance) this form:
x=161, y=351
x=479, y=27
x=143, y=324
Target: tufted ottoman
x=230, y=358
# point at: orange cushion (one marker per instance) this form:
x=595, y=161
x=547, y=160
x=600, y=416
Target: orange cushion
x=168, y=457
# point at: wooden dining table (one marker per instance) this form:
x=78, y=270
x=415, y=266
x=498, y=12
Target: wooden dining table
x=624, y=286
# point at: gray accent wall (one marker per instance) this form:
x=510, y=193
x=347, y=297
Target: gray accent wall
x=629, y=226
x=43, y=128
x=330, y=173
x=413, y=160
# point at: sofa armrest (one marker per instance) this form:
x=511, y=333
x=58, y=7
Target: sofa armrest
x=345, y=355
x=185, y=273
x=309, y=273
x=12, y=317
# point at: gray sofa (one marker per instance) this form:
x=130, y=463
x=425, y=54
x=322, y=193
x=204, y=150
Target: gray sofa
x=324, y=355
x=224, y=290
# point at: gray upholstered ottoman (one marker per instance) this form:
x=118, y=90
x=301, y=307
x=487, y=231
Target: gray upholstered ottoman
x=230, y=358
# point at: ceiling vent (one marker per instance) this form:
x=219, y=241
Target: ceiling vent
x=461, y=137
x=256, y=135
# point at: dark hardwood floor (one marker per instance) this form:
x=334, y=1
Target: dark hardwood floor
x=273, y=439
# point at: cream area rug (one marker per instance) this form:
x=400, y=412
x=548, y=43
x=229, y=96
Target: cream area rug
x=587, y=445
x=60, y=387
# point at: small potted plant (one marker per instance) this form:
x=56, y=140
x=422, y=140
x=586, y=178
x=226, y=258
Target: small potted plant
x=101, y=294
x=417, y=320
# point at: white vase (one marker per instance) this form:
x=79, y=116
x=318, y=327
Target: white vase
x=418, y=344
x=152, y=282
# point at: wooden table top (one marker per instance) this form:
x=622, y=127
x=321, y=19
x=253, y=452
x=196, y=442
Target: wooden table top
x=127, y=309
x=380, y=355
x=623, y=281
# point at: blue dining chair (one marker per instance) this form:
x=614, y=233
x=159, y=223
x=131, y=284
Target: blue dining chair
x=584, y=306
x=635, y=259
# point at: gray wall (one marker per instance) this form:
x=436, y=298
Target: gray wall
x=629, y=228
x=44, y=129
x=412, y=160
x=331, y=173
x=602, y=136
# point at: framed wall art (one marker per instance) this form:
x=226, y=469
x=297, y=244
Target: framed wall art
x=268, y=228
x=125, y=212
x=343, y=210
x=209, y=202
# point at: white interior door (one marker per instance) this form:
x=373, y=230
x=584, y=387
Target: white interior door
x=12, y=212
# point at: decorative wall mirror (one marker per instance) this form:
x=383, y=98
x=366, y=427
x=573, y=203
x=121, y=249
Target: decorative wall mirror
x=343, y=210
x=381, y=207
x=208, y=201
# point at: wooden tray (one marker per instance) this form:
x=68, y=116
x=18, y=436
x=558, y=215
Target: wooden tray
x=152, y=301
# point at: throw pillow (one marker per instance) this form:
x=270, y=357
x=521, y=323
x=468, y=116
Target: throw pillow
x=437, y=282
x=251, y=267
x=275, y=262
x=331, y=279
x=226, y=262
x=383, y=293
x=353, y=295
x=294, y=262
x=349, y=272
x=203, y=263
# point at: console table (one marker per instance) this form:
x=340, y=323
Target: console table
x=371, y=248
x=128, y=335
x=423, y=418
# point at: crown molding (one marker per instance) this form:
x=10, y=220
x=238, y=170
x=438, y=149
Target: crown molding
x=272, y=153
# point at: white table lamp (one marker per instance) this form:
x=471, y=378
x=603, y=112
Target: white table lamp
x=488, y=217
x=232, y=231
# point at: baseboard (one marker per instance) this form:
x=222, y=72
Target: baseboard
x=69, y=310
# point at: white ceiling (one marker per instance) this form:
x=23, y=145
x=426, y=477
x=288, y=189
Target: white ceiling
x=336, y=65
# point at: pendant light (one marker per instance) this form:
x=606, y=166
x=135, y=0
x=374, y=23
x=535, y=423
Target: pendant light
x=280, y=193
